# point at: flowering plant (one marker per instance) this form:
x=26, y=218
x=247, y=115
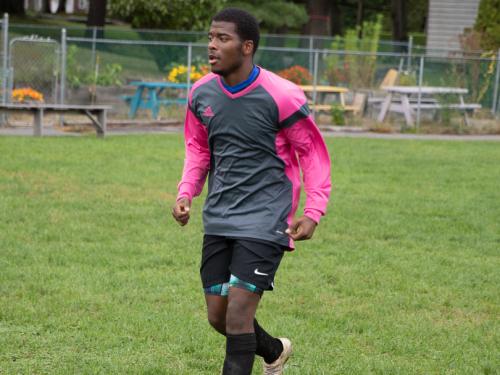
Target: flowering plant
x=297, y=74
x=178, y=73
x=24, y=94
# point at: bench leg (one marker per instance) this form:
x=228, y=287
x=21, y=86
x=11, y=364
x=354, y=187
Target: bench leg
x=466, y=118
x=135, y=102
x=407, y=110
x=101, y=117
x=385, y=107
x=99, y=123
x=38, y=122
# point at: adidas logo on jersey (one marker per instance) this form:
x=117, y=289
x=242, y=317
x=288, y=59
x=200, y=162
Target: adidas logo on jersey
x=208, y=112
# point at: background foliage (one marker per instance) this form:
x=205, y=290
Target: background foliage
x=488, y=24
x=171, y=14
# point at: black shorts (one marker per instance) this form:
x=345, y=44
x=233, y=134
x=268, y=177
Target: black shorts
x=252, y=261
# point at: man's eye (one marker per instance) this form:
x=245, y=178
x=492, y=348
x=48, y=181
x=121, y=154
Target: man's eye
x=223, y=39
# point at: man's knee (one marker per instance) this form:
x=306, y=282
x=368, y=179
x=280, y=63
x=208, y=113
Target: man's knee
x=217, y=320
x=241, y=311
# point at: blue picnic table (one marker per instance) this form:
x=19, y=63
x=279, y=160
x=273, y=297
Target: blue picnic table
x=152, y=100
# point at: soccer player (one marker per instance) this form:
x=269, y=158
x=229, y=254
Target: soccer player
x=245, y=128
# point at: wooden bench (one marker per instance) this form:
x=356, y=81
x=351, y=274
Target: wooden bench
x=356, y=107
x=96, y=113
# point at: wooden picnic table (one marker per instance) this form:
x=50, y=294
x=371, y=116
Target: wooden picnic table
x=318, y=103
x=402, y=99
x=152, y=100
x=96, y=113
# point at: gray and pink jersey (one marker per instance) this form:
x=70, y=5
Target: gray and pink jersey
x=251, y=145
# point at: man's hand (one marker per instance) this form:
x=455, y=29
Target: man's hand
x=301, y=229
x=180, y=211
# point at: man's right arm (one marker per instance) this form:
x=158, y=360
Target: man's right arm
x=196, y=166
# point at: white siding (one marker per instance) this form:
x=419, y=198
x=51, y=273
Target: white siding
x=447, y=21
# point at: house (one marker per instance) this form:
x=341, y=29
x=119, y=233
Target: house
x=447, y=21
x=71, y=6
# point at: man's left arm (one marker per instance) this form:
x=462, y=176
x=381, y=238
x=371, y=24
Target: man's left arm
x=307, y=141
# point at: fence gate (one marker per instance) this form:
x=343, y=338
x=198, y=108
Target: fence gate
x=34, y=63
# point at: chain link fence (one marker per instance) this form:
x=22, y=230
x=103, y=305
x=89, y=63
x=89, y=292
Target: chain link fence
x=98, y=66
x=34, y=63
x=102, y=69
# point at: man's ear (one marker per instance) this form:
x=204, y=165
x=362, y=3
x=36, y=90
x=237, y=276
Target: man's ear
x=248, y=47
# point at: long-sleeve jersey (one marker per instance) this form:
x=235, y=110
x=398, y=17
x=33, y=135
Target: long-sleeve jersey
x=251, y=144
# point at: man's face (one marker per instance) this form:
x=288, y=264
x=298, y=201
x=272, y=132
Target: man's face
x=225, y=49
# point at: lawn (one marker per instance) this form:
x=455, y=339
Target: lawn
x=402, y=276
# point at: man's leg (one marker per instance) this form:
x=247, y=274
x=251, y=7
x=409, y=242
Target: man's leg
x=241, y=342
x=268, y=347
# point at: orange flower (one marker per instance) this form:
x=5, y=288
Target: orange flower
x=23, y=94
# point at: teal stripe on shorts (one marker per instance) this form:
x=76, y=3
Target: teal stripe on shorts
x=223, y=288
x=218, y=289
x=236, y=282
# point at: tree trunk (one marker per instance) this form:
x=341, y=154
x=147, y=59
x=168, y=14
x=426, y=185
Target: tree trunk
x=319, y=19
x=399, y=25
x=11, y=7
x=337, y=24
x=359, y=18
x=97, y=13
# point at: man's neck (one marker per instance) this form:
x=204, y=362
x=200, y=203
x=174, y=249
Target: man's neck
x=240, y=75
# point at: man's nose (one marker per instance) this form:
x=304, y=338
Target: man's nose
x=212, y=45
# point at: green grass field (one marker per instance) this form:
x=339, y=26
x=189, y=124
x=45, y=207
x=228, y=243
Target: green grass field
x=402, y=276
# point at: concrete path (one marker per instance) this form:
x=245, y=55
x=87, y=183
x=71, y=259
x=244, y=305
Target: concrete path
x=151, y=129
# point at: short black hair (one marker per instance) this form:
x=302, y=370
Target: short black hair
x=247, y=26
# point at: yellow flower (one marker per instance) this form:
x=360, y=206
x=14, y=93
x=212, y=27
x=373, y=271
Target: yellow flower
x=22, y=94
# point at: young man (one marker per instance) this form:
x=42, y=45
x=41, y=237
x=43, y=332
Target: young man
x=245, y=127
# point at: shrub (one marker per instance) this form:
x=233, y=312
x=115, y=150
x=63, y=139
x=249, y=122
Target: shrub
x=355, y=70
x=297, y=74
x=78, y=75
x=338, y=116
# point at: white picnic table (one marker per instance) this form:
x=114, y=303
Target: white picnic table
x=402, y=99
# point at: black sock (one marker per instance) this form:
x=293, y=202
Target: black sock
x=240, y=353
x=268, y=347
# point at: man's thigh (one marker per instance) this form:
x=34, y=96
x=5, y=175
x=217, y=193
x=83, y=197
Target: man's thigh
x=254, y=264
x=215, y=260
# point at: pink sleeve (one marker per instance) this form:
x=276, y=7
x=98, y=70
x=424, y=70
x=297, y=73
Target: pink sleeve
x=197, y=161
x=306, y=140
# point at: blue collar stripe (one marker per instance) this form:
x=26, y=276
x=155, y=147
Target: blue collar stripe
x=243, y=85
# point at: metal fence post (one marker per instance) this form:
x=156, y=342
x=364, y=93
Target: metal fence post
x=311, y=58
x=4, y=74
x=63, y=65
x=189, y=57
x=494, y=106
x=420, y=79
x=315, y=83
x=94, y=37
x=5, y=57
x=410, y=47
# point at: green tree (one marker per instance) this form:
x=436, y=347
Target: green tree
x=166, y=14
x=488, y=24
x=274, y=16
